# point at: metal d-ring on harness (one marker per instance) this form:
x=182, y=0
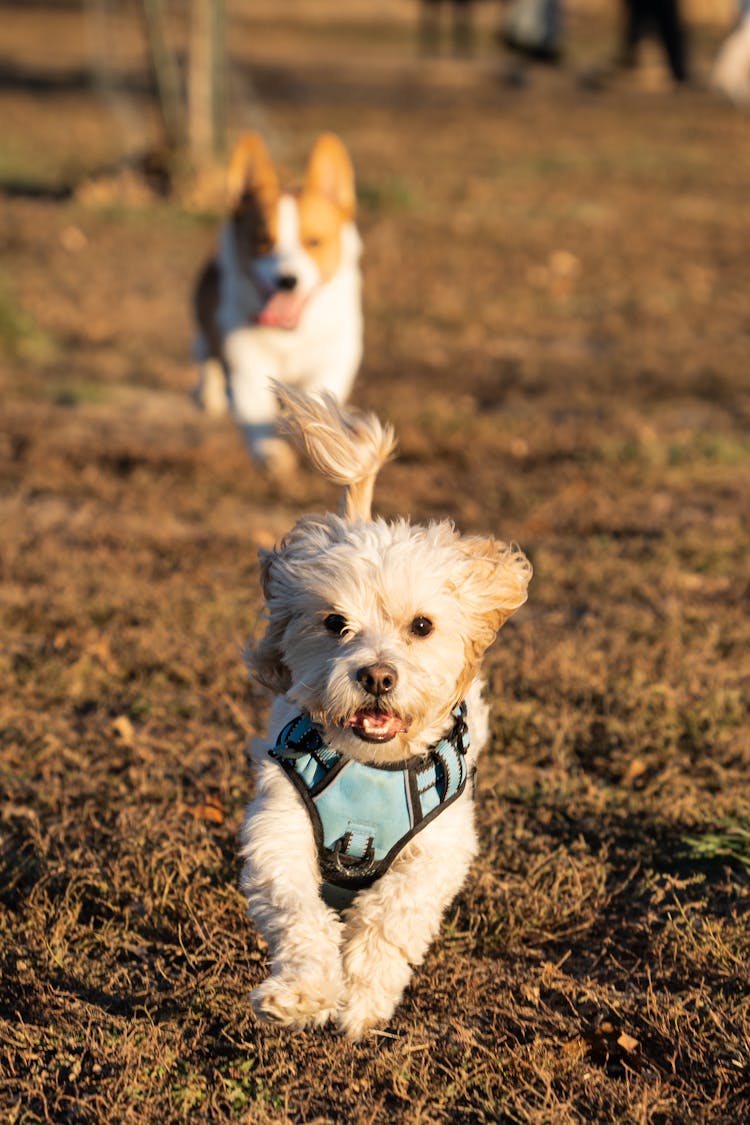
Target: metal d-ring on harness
x=363, y=814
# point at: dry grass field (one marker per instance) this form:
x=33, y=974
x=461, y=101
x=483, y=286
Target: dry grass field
x=558, y=324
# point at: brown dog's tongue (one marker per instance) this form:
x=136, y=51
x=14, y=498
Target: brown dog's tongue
x=282, y=311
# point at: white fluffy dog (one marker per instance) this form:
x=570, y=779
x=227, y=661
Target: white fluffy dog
x=362, y=829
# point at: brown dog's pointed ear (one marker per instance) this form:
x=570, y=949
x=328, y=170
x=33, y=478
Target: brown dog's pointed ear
x=251, y=172
x=330, y=173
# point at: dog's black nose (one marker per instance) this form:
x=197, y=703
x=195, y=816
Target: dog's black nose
x=286, y=281
x=377, y=679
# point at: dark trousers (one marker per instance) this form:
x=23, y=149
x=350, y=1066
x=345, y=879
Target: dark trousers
x=664, y=17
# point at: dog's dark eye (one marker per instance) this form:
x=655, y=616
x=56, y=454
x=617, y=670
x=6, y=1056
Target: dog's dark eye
x=335, y=624
x=421, y=627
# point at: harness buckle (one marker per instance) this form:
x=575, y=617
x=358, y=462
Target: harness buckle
x=346, y=864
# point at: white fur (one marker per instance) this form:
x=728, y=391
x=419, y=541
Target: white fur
x=380, y=577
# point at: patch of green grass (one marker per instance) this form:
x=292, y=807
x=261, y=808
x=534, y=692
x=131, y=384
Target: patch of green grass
x=392, y=194
x=699, y=449
x=21, y=337
x=27, y=167
x=78, y=392
x=244, y=1088
x=729, y=843
x=190, y=1091
x=139, y=709
x=723, y=449
x=204, y=218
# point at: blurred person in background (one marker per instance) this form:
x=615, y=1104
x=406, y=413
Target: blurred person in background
x=533, y=28
x=663, y=17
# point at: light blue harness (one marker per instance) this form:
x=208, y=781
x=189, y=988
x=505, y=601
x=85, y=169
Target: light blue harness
x=363, y=814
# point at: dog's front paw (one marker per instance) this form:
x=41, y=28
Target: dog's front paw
x=296, y=1001
x=376, y=976
x=357, y=1018
x=369, y=1005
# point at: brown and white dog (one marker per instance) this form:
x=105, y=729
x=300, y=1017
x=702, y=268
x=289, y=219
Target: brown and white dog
x=282, y=298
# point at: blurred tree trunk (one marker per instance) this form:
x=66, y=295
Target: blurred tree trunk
x=206, y=79
x=194, y=126
x=166, y=73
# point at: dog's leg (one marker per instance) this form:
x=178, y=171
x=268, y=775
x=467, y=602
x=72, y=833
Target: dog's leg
x=210, y=392
x=251, y=368
x=280, y=879
x=390, y=926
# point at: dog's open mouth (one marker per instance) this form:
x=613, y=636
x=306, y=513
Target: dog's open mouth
x=376, y=726
x=283, y=309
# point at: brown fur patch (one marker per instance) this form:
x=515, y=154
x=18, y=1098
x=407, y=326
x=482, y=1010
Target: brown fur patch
x=326, y=202
x=251, y=172
x=320, y=231
x=330, y=174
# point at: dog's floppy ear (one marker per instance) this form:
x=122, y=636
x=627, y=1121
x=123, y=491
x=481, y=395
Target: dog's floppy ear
x=494, y=586
x=330, y=173
x=251, y=172
x=266, y=660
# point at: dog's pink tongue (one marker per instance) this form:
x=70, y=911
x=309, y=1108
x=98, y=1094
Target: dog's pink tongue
x=283, y=310
x=376, y=724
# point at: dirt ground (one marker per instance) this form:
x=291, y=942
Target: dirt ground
x=558, y=325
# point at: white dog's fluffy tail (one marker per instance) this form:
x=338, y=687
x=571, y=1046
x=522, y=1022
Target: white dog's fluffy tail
x=345, y=446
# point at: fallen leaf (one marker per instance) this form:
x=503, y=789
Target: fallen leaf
x=208, y=810
x=123, y=728
x=635, y=770
x=628, y=1043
